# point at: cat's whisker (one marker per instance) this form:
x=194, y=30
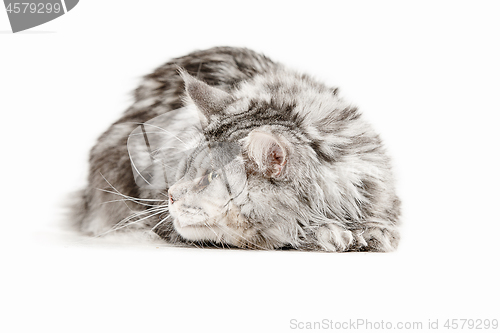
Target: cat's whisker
x=134, y=222
x=124, y=223
x=161, y=221
x=119, y=193
x=133, y=199
x=140, y=203
x=152, y=209
x=126, y=196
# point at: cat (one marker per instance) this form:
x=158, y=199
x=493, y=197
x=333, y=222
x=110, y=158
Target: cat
x=248, y=154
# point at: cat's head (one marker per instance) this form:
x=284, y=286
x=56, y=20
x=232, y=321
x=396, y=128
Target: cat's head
x=246, y=185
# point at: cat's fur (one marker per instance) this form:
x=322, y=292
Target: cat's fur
x=310, y=173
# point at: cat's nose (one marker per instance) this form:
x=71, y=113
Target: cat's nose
x=170, y=198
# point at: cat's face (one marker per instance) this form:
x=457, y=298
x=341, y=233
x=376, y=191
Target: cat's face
x=202, y=202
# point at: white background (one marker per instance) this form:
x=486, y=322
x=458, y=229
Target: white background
x=426, y=74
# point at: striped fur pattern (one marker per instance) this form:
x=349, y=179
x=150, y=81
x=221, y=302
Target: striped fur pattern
x=302, y=169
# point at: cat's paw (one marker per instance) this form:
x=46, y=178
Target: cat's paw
x=378, y=239
x=373, y=238
x=333, y=238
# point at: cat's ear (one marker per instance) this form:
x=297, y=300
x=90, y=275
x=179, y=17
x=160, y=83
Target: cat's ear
x=268, y=151
x=209, y=100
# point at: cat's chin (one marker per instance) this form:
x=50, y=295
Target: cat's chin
x=196, y=232
x=216, y=235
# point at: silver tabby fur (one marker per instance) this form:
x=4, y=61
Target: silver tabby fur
x=316, y=175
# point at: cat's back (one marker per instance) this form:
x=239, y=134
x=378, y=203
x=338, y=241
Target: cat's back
x=222, y=67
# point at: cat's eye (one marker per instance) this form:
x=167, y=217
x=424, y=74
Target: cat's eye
x=207, y=179
x=212, y=175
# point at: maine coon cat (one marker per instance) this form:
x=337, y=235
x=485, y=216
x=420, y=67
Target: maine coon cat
x=246, y=153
